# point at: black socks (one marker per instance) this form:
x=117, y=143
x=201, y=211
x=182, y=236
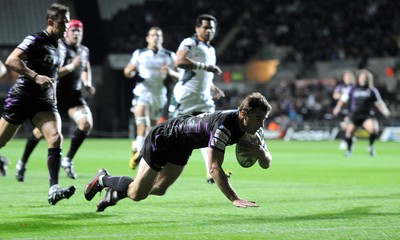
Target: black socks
x=30, y=145
x=372, y=137
x=119, y=184
x=76, y=141
x=349, y=142
x=53, y=164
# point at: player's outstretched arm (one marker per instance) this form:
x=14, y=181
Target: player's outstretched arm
x=381, y=105
x=216, y=159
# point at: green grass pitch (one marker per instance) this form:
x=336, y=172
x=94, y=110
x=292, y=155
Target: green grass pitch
x=311, y=191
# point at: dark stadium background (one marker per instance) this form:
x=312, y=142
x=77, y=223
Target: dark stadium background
x=292, y=51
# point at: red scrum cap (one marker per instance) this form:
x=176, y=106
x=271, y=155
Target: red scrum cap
x=75, y=23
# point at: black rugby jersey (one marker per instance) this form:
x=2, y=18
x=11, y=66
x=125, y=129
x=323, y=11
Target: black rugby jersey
x=363, y=99
x=72, y=80
x=216, y=130
x=45, y=54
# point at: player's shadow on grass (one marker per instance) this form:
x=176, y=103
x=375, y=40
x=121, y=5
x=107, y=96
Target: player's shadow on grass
x=40, y=222
x=68, y=217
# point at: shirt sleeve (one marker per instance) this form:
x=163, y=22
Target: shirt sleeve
x=187, y=44
x=220, y=138
x=376, y=95
x=135, y=58
x=26, y=44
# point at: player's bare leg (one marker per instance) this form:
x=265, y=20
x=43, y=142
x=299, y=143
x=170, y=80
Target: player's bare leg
x=142, y=121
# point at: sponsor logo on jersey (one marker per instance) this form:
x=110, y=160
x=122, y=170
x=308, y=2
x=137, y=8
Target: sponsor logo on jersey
x=221, y=138
x=222, y=134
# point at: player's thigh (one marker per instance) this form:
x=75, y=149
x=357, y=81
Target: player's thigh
x=141, y=187
x=49, y=123
x=371, y=125
x=168, y=175
x=82, y=116
x=140, y=110
x=7, y=131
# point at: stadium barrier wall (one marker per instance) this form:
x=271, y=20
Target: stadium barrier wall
x=390, y=134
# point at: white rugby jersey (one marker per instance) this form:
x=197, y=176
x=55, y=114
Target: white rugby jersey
x=195, y=81
x=148, y=65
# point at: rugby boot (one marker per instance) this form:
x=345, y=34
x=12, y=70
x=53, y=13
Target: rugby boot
x=20, y=171
x=4, y=162
x=107, y=201
x=56, y=193
x=93, y=187
x=68, y=166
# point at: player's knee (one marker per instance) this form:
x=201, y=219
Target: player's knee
x=158, y=191
x=86, y=126
x=143, y=121
x=36, y=132
x=54, y=138
x=83, y=116
x=133, y=194
x=137, y=197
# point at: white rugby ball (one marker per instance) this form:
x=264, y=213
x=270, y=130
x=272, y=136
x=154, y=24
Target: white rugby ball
x=244, y=158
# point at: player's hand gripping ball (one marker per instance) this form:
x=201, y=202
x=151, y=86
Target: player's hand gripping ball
x=244, y=147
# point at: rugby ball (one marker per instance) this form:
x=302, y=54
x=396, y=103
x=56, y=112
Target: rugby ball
x=243, y=156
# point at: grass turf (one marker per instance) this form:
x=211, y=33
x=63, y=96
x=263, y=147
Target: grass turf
x=311, y=192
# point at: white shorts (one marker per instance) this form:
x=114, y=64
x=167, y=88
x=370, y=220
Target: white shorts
x=154, y=101
x=189, y=102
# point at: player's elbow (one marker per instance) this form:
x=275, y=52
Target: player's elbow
x=130, y=71
x=127, y=74
x=214, y=170
x=180, y=64
x=10, y=62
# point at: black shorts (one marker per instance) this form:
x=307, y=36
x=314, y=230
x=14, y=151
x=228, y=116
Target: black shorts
x=359, y=119
x=67, y=100
x=21, y=104
x=157, y=150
